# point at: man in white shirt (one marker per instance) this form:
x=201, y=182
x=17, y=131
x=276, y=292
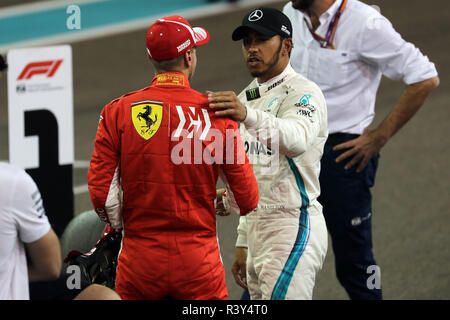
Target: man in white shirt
x=345, y=46
x=283, y=125
x=24, y=226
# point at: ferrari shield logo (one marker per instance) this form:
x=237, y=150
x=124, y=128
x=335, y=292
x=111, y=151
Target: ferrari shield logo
x=147, y=116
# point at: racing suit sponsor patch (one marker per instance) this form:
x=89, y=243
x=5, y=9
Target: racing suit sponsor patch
x=256, y=147
x=305, y=108
x=275, y=84
x=170, y=79
x=271, y=104
x=252, y=94
x=147, y=117
x=305, y=99
x=184, y=45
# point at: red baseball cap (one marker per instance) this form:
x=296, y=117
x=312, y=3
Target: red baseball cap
x=172, y=36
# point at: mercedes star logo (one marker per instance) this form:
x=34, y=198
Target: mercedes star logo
x=255, y=15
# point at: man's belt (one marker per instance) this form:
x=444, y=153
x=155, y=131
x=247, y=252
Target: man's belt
x=340, y=137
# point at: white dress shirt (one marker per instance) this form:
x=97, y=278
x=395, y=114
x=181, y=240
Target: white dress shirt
x=367, y=47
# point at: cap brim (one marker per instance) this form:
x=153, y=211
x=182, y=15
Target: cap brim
x=201, y=36
x=239, y=32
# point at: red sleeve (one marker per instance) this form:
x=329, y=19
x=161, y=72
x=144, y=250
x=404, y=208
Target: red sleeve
x=238, y=171
x=104, y=173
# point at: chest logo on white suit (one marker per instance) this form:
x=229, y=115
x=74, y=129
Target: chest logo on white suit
x=271, y=104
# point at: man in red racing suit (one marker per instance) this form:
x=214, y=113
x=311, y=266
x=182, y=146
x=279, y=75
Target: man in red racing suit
x=156, y=161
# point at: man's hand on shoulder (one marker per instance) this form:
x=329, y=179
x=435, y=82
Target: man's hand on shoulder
x=227, y=104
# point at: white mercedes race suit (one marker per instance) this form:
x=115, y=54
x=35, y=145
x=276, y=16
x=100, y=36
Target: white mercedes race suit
x=284, y=135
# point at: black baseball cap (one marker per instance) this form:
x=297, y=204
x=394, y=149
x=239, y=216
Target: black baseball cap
x=267, y=21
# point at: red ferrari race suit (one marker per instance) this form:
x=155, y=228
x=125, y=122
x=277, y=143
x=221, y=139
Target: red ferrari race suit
x=156, y=161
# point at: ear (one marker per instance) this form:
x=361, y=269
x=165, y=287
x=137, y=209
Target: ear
x=287, y=46
x=188, y=57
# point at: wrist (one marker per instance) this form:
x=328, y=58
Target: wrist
x=381, y=136
x=245, y=113
x=251, y=117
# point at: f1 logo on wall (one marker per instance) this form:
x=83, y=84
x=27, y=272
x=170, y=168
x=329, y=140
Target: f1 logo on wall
x=48, y=68
x=40, y=113
x=39, y=76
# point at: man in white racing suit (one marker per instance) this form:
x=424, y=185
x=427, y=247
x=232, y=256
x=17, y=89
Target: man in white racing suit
x=284, y=127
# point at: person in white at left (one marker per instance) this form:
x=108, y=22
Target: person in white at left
x=24, y=225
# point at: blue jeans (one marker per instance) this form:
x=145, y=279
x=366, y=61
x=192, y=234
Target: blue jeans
x=347, y=208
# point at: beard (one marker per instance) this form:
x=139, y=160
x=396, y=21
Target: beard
x=302, y=5
x=270, y=65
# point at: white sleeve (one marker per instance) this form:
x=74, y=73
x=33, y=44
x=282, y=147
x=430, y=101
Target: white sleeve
x=28, y=210
x=296, y=125
x=241, y=240
x=397, y=59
